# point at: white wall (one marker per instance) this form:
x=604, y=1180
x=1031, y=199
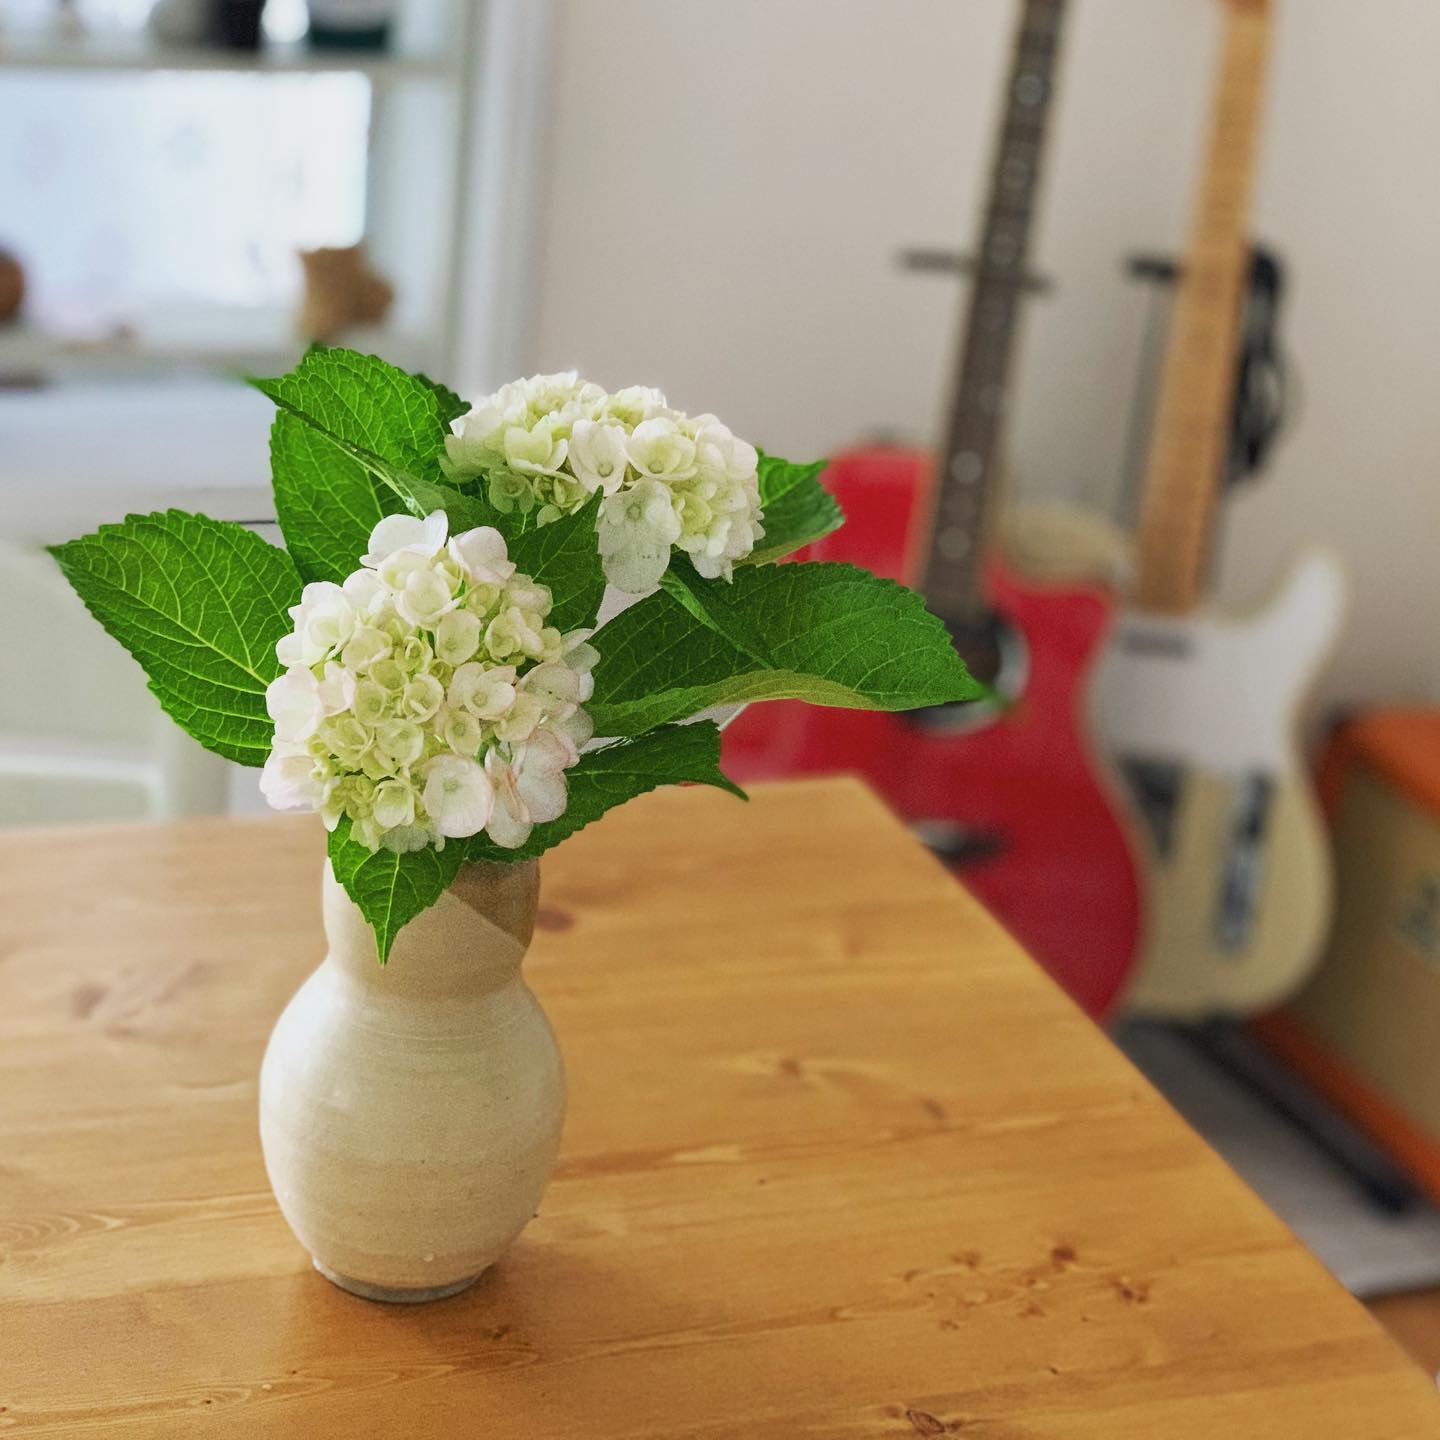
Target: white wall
x=730, y=181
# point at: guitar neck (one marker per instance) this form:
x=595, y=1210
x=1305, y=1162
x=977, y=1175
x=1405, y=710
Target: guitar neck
x=1184, y=471
x=966, y=489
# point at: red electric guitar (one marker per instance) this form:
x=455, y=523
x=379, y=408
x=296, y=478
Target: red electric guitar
x=1006, y=793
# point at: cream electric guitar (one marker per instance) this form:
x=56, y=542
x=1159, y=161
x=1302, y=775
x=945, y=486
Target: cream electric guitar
x=1200, y=711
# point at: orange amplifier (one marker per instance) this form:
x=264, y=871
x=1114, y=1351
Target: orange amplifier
x=1365, y=1031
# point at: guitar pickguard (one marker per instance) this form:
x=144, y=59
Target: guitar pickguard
x=1199, y=714
x=1158, y=789
x=1155, y=786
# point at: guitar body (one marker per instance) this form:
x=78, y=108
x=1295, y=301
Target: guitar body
x=1003, y=791
x=1008, y=793
x=1199, y=714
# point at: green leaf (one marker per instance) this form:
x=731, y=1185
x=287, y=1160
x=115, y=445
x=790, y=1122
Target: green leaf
x=366, y=405
x=452, y=407
x=392, y=889
x=613, y=774
x=798, y=509
x=327, y=502
x=830, y=634
x=366, y=420
x=421, y=497
x=200, y=604
x=565, y=555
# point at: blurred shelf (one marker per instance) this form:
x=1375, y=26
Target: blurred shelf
x=77, y=758
x=138, y=51
x=25, y=352
x=237, y=342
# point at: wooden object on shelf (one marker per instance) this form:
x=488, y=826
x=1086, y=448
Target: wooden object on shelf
x=342, y=291
x=12, y=287
x=839, y=1161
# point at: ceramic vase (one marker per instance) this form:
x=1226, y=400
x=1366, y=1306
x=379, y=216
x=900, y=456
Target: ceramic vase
x=410, y=1113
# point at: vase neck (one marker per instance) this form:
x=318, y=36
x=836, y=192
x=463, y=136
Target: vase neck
x=472, y=940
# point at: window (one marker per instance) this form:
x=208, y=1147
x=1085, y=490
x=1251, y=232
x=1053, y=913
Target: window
x=132, y=194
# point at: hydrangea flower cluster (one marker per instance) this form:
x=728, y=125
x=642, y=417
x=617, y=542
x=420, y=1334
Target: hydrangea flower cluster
x=427, y=698
x=550, y=442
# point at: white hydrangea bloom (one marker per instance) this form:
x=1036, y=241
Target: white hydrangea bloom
x=637, y=403
x=540, y=450
x=294, y=704
x=292, y=779
x=637, y=528
x=409, y=689
x=547, y=443
x=458, y=795
x=598, y=456
x=396, y=533
x=661, y=450
x=529, y=787
x=479, y=437
x=481, y=554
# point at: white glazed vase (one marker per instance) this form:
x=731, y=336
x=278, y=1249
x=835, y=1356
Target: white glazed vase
x=410, y=1114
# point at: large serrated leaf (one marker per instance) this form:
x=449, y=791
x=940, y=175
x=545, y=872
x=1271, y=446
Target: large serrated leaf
x=347, y=422
x=422, y=497
x=326, y=501
x=565, y=556
x=797, y=508
x=200, y=604
x=362, y=401
x=392, y=889
x=826, y=633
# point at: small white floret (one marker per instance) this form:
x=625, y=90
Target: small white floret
x=458, y=796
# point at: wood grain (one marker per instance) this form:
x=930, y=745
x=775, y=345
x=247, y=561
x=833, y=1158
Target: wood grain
x=840, y=1162
x=1414, y=1320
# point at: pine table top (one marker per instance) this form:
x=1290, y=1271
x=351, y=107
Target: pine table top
x=840, y=1162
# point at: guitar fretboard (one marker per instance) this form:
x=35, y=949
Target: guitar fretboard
x=1184, y=470
x=966, y=488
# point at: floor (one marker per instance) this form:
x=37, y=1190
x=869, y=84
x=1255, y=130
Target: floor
x=1414, y=1321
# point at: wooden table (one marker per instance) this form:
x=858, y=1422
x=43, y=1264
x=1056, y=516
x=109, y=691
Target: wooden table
x=840, y=1163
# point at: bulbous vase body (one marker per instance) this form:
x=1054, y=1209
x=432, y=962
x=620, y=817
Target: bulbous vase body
x=410, y=1114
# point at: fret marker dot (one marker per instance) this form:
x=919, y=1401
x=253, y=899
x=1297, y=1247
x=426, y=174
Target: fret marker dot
x=954, y=543
x=1029, y=89
x=966, y=468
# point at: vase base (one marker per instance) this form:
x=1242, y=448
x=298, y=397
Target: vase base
x=395, y=1295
